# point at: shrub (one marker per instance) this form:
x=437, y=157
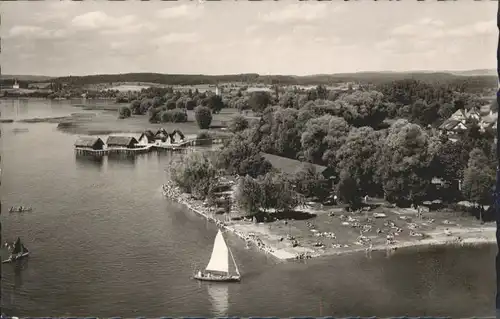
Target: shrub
x=154, y=114
x=174, y=116
x=146, y=104
x=238, y=123
x=180, y=104
x=124, y=112
x=157, y=101
x=171, y=104
x=135, y=107
x=203, y=117
x=215, y=103
x=190, y=104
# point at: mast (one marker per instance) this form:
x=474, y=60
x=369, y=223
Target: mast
x=234, y=261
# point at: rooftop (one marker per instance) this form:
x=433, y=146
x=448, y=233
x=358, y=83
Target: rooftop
x=120, y=140
x=87, y=141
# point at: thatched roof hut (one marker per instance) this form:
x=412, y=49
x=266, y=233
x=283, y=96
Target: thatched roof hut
x=178, y=133
x=148, y=135
x=90, y=142
x=176, y=136
x=161, y=134
x=121, y=141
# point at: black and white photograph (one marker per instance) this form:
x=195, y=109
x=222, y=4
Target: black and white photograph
x=249, y=158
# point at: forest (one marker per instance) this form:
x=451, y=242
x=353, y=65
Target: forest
x=383, y=141
x=473, y=84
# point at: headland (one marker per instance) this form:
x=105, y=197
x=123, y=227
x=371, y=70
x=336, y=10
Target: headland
x=334, y=231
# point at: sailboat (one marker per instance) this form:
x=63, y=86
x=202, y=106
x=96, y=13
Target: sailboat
x=218, y=266
x=18, y=252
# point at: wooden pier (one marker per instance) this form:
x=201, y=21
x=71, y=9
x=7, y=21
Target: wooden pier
x=183, y=145
x=188, y=143
x=113, y=150
x=173, y=147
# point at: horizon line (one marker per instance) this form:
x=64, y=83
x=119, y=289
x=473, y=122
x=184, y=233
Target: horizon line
x=260, y=74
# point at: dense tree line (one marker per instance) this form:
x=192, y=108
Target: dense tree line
x=166, y=105
x=194, y=174
x=382, y=143
x=270, y=191
x=471, y=83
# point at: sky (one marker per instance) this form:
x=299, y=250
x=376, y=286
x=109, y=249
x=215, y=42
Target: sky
x=60, y=38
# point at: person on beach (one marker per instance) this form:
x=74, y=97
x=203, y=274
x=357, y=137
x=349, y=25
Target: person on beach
x=368, y=251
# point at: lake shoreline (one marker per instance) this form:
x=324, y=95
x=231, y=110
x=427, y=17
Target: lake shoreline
x=265, y=239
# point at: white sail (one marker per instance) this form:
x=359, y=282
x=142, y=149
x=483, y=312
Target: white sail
x=219, y=261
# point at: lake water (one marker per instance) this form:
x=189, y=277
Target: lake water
x=105, y=242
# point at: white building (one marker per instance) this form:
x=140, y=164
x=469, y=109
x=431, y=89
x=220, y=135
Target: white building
x=16, y=85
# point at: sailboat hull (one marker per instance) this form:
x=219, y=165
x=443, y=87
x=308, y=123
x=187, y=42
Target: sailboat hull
x=218, y=278
x=10, y=260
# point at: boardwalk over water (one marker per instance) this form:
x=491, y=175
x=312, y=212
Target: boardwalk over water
x=113, y=150
x=146, y=148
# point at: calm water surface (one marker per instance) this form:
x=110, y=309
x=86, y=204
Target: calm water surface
x=105, y=242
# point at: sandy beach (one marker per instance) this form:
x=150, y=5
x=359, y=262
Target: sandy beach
x=333, y=231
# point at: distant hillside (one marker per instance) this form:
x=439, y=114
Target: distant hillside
x=166, y=79
x=479, y=72
x=27, y=78
x=377, y=77
x=253, y=78
x=475, y=80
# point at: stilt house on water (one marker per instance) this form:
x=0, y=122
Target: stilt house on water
x=176, y=137
x=161, y=135
x=121, y=142
x=90, y=143
x=148, y=137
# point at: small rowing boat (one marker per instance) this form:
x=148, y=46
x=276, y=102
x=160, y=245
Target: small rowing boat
x=18, y=252
x=19, y=209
